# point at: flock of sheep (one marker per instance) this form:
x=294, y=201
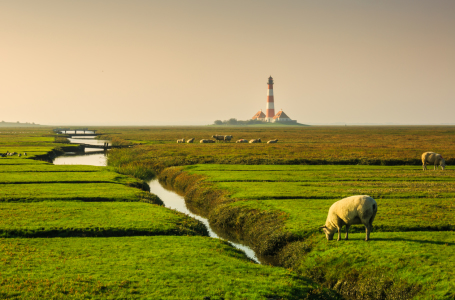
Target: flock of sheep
x=12, y=154
x=362, y=209
x=225, y=138
x=352, y=210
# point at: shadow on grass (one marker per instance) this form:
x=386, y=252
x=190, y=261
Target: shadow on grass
x=415, y=241
x=396, y=239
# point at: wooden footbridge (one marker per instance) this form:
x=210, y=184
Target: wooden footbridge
x=76, y=132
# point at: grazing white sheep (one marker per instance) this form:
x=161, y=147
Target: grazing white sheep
x=434, y=159
x=190, y=141
x=227, y=138
x=218, y=137
x=181, y=141
x=255, y=141
x=349, y=211
x=242, y=141
x=272, y=141
x=206, y=141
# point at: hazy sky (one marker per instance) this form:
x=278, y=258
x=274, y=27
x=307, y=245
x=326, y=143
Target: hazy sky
x=192, y=62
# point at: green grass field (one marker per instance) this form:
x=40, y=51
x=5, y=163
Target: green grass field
x=60, y=218
x=83, y=232
x=414, y=224
x=419, y=258
x=139, y=268
x=4, y=161
x=55, y=177
x=275, y=196
x=68, y=191
x=37, y=166
x=424, y=202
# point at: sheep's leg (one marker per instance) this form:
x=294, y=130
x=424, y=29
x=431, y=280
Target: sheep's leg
x=424, y=166
x=347, y=231
x=367, y=231
x=340, y=224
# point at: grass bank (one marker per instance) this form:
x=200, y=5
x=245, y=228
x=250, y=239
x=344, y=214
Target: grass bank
x=104, y=219
x=158, y=267
x=410, y=202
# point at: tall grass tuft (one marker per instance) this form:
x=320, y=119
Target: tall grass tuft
x=125, y=161
x=61, y=139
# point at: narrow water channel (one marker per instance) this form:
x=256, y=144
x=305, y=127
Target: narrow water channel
x=171, y=199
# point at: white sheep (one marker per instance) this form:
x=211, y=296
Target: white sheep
x=272, y=141
x=255, y=141
x=349, y=211
x=242, y=141
x=181, y=141
x=433, y=158
x=206, y=141
x=218, y=137
x=190, y=141
x=227, y=138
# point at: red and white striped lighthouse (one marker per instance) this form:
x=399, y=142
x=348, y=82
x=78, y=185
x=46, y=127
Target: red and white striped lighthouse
x=270, y=109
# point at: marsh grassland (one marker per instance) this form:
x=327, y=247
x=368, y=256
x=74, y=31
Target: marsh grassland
x=275, y=196
x=84, y=232
x=413, y=230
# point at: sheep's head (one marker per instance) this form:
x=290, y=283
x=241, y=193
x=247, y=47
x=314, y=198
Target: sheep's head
x=328, y=233
x=442, y=163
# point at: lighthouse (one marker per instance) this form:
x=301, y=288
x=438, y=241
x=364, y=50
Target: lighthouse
x=269, y=115
x=270, y=109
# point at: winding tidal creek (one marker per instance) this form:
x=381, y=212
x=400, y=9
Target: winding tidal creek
x=171, y=199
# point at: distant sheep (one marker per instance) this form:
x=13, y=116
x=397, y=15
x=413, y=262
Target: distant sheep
x=242, y=141
x=227, y=138
x=180, y=141
x=190, y=141
x=25, y=153
x=434, y=159
x=349, y=211
x=255, y=141
x=218, y=137
x=206, y=141
x=272, y=141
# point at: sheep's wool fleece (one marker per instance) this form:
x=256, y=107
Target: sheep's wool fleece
x=348, y=209
x=431, y=158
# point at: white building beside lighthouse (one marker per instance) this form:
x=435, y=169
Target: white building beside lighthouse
x=270, y=115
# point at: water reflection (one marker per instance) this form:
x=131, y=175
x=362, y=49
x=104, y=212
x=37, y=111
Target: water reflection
x=89, y=141
x=90, y=158
x=174, y=201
